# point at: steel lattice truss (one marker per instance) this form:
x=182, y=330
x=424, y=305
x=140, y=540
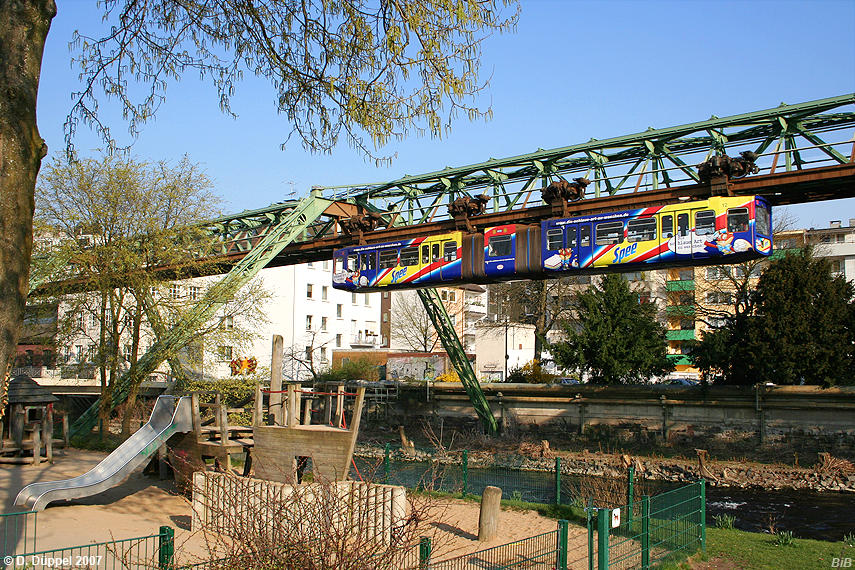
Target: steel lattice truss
x=787, y=138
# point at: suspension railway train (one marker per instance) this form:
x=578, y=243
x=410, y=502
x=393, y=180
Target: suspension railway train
x=717, y=230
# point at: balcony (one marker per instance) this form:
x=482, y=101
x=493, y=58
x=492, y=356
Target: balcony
x=684, y=285
x=688, y=334
x=680, y=359
x=680, y=310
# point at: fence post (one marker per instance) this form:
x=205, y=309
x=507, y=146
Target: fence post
x=630, y=495
x=604, y=518
x=166, y=547
x=645, y=532
x=386, y=465
x=703, y=484
x=424, y=552
x=562, y=545
x=557, y=480
x=465, y=460
x=590, y=518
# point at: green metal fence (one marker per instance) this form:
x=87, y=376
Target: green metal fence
x=654, y=530
x=19, y=532
x=144, y=552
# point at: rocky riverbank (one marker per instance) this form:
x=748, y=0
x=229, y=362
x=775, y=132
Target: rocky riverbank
x=828, y=475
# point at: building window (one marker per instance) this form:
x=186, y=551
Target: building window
x=194, y=292
x=353, y=298
x=385, y=317
x=719, y=298
x=309, y=291
x=323, y=323
x=367, y=300
x=224, y=353
x=308, y=322
x=326, y=265
x=338, y=311
x=338, y=340
x=228, y=323
x=324, y=292
x=837, y=266
x=323, y=353
x=716, y=273
x=175, y=291
x=353, y=330
x=93, y=321
x=385, y=294
x=308, y=353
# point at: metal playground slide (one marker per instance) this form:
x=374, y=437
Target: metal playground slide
x=169, y=416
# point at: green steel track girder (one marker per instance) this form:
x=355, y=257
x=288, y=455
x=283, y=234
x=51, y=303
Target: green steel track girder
x=649, y=160
x=289, y=227
x=450, y=341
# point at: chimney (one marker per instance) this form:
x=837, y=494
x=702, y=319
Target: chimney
x=834, y=224
x=852, y=222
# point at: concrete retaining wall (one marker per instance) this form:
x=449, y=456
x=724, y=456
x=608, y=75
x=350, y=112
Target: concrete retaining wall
x=767, y=411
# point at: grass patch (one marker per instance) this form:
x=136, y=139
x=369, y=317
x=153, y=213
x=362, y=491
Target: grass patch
x=751, y=550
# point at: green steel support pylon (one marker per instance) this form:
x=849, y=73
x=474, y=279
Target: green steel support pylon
x=447, y=335
x=289, y=228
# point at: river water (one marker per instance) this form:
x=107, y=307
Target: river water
x=807, y=514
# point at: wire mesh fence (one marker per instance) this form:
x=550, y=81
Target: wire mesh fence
x=146, y=552
x=19, y=532
x=536, y=552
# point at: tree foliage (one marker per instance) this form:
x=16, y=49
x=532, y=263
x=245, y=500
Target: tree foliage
x=371, y=72
x=801, y=329
x=615, y=338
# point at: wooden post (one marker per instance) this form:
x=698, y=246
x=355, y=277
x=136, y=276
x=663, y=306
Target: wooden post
x=223, y=417
x=339, y=406
x=18, y=426
x=48, y=433
x=275, y=402
x=307, y=412
x=258, y=407
x=293, y=405
x=65, y=435
x=197, y=415
x=488, y=520
x=328, y=403
x=37, y=444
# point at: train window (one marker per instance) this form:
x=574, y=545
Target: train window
x=682, y=225
x=499, y=246
x=336, y=265
x=555, y=239
x=609, y=233
x=667, y=226
x=585, y=236
x=449, y=251
x=388, y=258
x=425, y=254
x=737, y=220
x=641, y=230
x=410, y=256
x=353, y=262
x=435, y=252
x=764, y=224
x=704, y=223
x=571, y=237
x=369, y=261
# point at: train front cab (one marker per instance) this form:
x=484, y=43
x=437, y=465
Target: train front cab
x=680, y=234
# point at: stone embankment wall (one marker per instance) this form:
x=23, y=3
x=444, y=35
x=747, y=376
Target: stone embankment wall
x=770, y=413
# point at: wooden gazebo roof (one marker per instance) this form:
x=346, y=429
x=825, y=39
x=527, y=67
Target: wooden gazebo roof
x=25, y=390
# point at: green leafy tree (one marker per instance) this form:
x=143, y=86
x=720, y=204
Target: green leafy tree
x=361, y=72
x=798, y=328
x=804, y=331
x=615, y=338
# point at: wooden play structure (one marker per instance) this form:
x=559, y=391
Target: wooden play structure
x=28, y=424
x=304, y=425
x=308, y=424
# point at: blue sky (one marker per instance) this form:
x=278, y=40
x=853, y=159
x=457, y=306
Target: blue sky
x=572, y=71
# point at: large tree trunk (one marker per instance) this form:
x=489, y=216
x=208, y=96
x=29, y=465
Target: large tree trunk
x=23, y=28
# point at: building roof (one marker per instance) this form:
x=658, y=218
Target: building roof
x=25, y=390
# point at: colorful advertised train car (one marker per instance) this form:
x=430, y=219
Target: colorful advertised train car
x=718, y=230
x=401, y=264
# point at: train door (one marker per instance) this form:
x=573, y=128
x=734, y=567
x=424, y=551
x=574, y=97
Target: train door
x=585, y=251
x=704, y=234
x=682, y=235
x=499, y=255
x=450, y=269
